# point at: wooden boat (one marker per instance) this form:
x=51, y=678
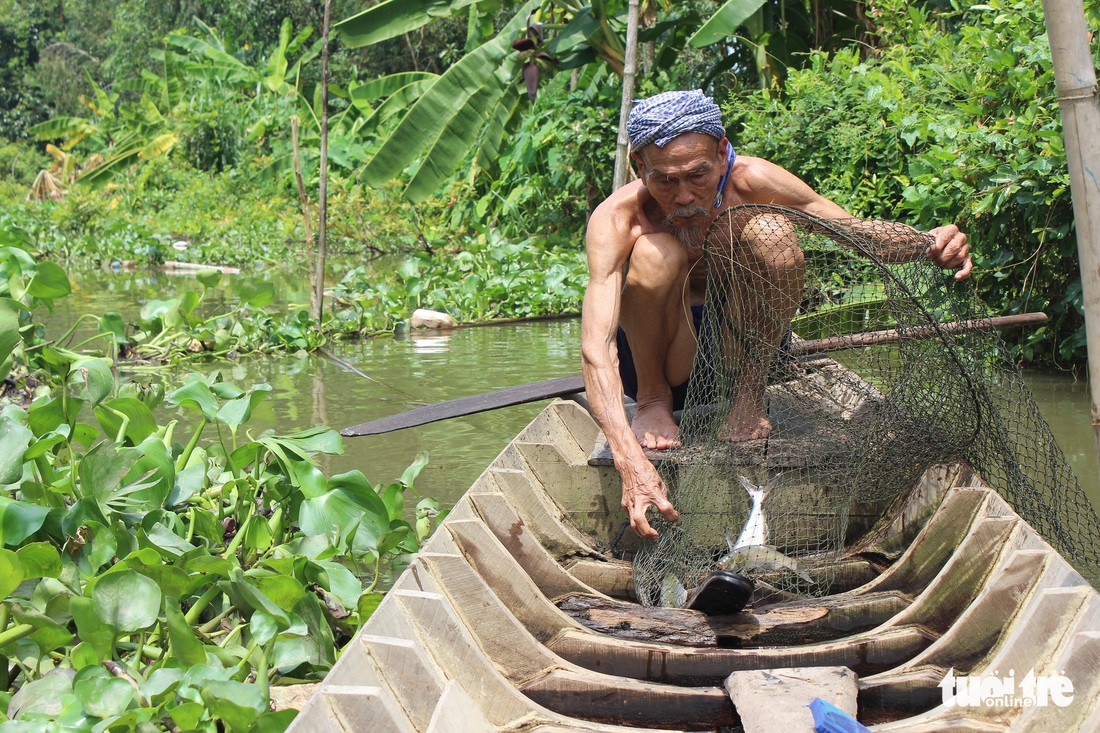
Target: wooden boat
x=516, y=617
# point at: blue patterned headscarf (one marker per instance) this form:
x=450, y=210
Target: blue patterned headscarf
x=660, y=118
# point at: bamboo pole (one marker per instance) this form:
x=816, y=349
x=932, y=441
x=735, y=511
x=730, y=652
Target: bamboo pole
x=322, y=207
x=1075, y=81
x=630, y=68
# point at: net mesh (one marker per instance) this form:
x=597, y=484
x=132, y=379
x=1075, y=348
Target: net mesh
x=854, y=420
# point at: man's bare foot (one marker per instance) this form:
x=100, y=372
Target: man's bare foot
x=748, y=419
x=654, y=427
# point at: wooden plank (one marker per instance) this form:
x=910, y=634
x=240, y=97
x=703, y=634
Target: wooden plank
x=353, y=708
x=414, y=681
x=458, y=713
x=541, y=514
x=640, y=704
x=457, y=654
x=1079, y=664
x=866, y=653
x=452, y=642
x=910, y=512
x=964, y=647
x=614, y=578
x=630, y=621
x=935, y=544
x=965, y=574
x=778, y=700
x=520, y=542
x=498, y=570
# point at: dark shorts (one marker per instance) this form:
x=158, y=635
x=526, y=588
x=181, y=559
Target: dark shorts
x=707, y=382
x=629, y=373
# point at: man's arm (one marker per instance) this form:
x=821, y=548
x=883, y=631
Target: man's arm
x=763, y=182
x=609, y=250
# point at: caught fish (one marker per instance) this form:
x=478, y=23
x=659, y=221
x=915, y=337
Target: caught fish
x=755, y=531
x=751, y=550
x=673, y=592
x=761, y=558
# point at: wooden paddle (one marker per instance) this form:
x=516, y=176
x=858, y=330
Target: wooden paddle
x=562, y=386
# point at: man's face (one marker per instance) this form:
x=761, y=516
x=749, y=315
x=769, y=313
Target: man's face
x=683, y=177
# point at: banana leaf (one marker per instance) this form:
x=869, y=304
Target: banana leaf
x=725, y=22
x=430, y=125
x=395, y=17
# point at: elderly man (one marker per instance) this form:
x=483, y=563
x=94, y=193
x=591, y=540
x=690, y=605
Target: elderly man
x=642, y=244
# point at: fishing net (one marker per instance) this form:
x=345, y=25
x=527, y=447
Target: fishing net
x=855, y=419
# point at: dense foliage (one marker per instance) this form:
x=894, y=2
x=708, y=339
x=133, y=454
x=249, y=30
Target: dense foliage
x=954, y=120
x=168, y=573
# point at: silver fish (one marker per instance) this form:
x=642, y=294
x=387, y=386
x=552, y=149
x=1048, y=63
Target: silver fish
x=755, y=531
x=762, y=558
x=673, y=593
x=751, y=550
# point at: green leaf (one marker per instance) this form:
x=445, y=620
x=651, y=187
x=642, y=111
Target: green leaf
x=283, y=590
x=394, y=18
x=341, y=582
x=368, y=602
x=14, y=441
x=394, y=498
x=141, y=423
x=102, y=694
x=725, y=22
x=127, y=600
x=237, y=703
x=167, y=542
x=185, y=645
x=11, y=572
x=40, y=560
x=248, y=598
x=210, y=278
x=414, y=469
x=274, y=721
x=45, y=416
x=255, y=291
x=9, y=333
x=49, y=282
x=391, y=539
x=195, y=394
x=384, y=86
x=94, y=378
x=42, y=696
x=238, y=411
x=263, y=627
x=112, y=323
x=19, y=520
x=102, y=469
x=351, y=502
x=90, y=628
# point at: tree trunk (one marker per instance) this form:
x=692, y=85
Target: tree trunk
x=1075, y=81
x=322, y=207
x=630, y=68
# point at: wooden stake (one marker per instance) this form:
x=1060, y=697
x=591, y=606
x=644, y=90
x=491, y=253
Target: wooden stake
x=307, y=218
x=322, y=211
x=630, y=68
x=1075, y=80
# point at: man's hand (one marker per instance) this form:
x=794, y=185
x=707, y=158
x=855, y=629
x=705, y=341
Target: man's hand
x=951, y=251
x=643, y=488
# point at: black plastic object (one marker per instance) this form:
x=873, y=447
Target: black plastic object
x=723, y=592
